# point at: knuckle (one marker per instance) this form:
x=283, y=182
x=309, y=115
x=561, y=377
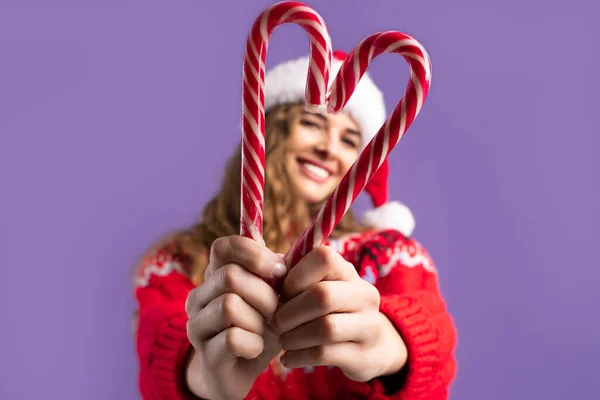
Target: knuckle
x=331, y=260
x=232, y=344
x=369, y=294
x=321, y=354
x=323, y=296
x=329, y=328
x=232, y=275
x=324, y=254
x=236, y=344
x=230, y=303
x=373, y=296
x=189, y=302
x=191, y=328
x=189, y=331
x=221, y=246
x=349, y=271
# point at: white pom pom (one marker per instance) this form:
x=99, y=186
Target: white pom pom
x=392, y=215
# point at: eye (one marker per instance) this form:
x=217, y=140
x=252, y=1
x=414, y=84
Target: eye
x=350, y=142
x=310, y=124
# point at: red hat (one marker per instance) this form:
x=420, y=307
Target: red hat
x=386, y=214
x=286, y=83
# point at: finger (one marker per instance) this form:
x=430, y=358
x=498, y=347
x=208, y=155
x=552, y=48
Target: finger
x=322, y=263
x=324, y=298
x=233, y=278
x=332, y=328
x=270, y=350
x=224, y=312
x=234, y=342
x=344, y=355
x=253, y=256
x=249, y=361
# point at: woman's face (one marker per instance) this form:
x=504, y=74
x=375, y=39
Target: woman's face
x=321, y=148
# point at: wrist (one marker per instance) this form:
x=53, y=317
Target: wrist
x=394, y=348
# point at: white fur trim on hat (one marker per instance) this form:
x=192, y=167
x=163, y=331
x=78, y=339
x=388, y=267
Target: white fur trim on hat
x=391, y=215
x=286, y=83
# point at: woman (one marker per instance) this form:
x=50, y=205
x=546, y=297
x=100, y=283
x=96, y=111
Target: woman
x=360, y=317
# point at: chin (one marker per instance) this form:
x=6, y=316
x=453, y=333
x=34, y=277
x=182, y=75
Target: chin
x=310, y=195
x=312, y=200
x=310, y=191
x=313, y=197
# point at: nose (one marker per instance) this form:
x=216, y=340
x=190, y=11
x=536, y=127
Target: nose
x=327, y=146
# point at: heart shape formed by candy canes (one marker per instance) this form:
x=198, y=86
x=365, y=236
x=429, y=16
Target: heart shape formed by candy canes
x=317, y=99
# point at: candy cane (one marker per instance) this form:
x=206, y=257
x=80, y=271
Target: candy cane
x=387, y=137
x=253, y=99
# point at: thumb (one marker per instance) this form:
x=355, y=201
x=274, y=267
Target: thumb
x=277, y=283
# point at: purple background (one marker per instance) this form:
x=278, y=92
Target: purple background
x=105, y=114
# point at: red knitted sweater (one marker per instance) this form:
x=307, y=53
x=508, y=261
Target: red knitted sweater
x=398, y=266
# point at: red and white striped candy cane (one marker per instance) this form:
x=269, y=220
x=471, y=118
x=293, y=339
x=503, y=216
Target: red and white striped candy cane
x=253, y=99
x=387, y=137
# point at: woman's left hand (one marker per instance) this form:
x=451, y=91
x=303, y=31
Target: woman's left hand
x=330, y=316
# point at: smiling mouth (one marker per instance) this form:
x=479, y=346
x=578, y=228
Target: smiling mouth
x=313, y=171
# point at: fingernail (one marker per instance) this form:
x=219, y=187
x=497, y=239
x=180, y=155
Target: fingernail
x=279, y=270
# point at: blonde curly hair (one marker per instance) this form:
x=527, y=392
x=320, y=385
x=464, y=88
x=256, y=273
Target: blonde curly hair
x=284, y=217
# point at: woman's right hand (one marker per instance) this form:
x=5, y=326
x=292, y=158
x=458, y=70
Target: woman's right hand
x=228, y=318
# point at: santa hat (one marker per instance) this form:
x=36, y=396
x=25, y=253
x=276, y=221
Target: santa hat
x=286, y=83
x=386, y=214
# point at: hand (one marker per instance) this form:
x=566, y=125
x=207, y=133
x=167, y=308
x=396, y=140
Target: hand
x=330, y=316
x=228, y=317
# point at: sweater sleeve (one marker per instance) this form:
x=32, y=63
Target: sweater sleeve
x=407, y=280
x=161, y=289
x=162, y=345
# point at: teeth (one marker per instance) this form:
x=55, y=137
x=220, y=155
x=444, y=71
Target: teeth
x=320, y=172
